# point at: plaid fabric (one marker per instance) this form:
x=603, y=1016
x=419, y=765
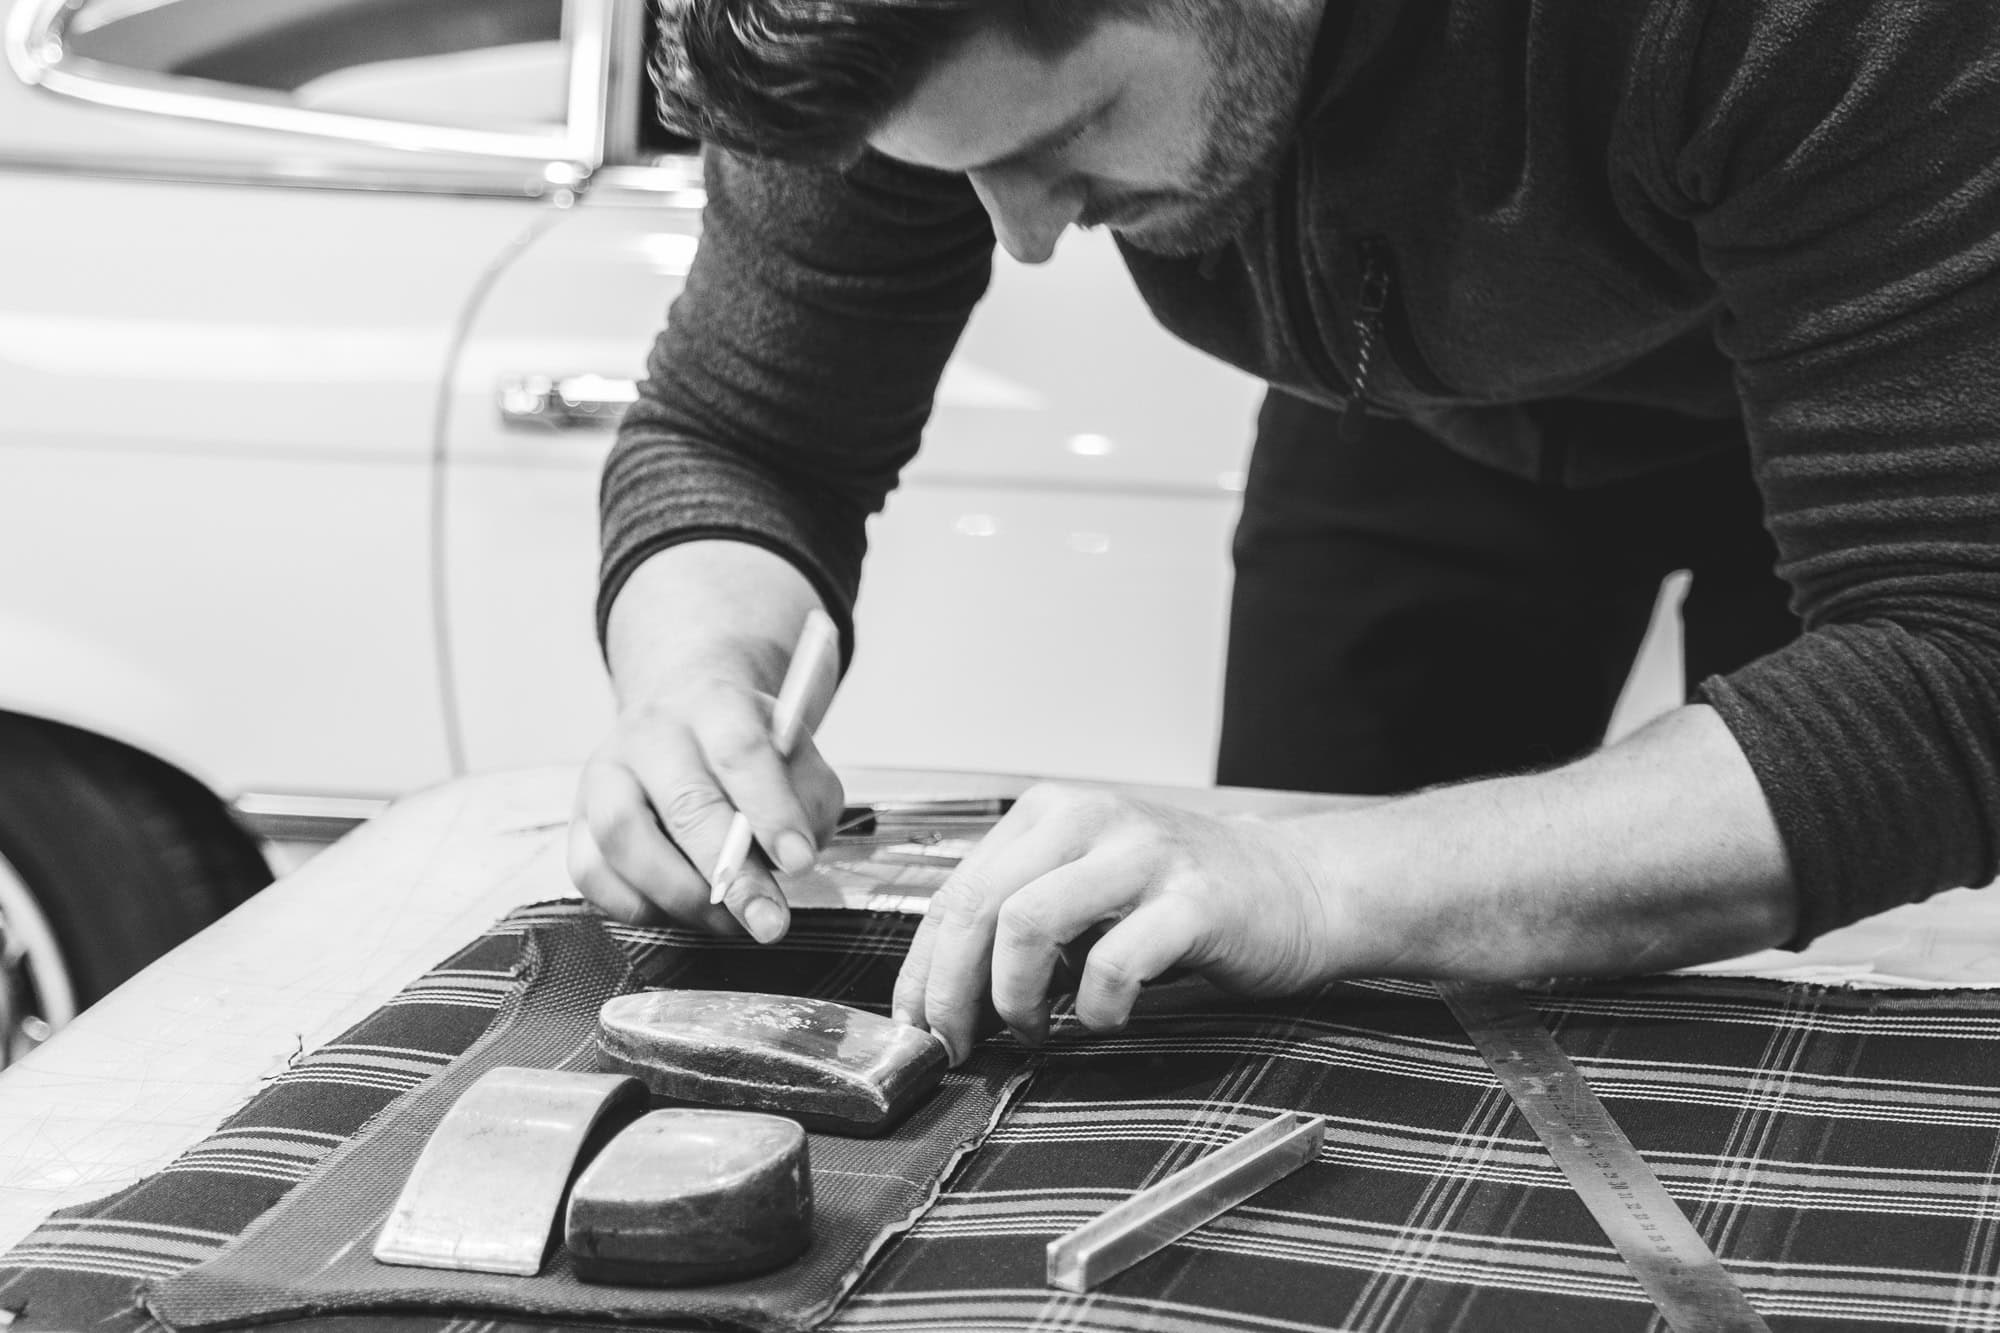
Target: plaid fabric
x=313, y=1253
x=1838, y=1149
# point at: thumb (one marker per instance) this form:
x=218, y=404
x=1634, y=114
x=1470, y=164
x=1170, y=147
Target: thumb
x=756, y=901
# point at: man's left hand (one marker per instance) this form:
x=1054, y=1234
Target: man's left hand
x=1236, y=900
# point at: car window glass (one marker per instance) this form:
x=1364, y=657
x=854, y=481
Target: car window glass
x=479, y=64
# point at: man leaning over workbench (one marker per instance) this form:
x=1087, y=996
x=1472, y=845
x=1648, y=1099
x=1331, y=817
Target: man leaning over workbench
x=1552, y=298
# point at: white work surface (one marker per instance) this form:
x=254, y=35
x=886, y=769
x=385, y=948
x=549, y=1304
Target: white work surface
x=153, y=1068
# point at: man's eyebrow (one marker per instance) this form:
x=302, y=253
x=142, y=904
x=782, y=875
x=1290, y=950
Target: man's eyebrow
x=1044, y=141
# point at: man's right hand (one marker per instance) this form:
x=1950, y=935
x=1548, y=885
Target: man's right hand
x=698, y=643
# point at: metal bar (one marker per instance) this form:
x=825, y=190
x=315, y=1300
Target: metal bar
x=484, y=1193
x=1160, y=1214
x=1689, y=1285
x=293, y=817
x=882, y=815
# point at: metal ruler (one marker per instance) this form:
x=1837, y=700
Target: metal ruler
x=1689, y=1285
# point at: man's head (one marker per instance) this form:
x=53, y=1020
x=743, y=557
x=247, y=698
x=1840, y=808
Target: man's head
x=1162, y=119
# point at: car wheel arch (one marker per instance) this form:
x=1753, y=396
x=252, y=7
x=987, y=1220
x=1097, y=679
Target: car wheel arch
x=54, y=676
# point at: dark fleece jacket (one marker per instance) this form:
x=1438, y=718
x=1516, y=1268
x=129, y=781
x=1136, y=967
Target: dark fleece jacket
x=1778, y=218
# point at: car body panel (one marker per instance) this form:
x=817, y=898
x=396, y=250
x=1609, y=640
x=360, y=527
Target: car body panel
x=520, y=515
x=1061, y=543
x=220, y=450
x=271, y=361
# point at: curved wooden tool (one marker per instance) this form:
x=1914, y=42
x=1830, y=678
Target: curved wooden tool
x=826, y=1065
x=485, y=1191
x=681, y=1197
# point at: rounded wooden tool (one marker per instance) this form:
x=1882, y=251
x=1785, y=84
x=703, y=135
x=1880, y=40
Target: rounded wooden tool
x=683, y=1197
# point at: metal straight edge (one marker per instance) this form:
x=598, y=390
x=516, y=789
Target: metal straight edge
x=1162, y=1213
x=293, y=817
x=1693, y=1292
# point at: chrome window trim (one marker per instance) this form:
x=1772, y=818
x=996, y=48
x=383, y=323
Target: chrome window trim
x=35, y=50
x=592, y=26
x=626, y=83
x=500, y=180
x=674, y=181
x=305, y=816
x=623, y=169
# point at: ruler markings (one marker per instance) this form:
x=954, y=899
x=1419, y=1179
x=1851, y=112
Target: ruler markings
x=1689, y=1285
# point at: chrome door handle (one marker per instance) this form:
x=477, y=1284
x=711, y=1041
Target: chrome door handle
x=569, y=402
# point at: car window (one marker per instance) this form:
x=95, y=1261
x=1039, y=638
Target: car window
x=476, y=64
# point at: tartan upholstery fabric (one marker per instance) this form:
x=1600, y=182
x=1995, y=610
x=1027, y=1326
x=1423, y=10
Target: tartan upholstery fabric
x=313, y=1252
x=1839, y=1149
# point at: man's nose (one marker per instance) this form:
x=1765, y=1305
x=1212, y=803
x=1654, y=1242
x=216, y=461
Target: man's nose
x=1029, y=212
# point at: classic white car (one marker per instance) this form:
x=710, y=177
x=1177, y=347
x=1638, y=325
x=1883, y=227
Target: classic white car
x=314, y=320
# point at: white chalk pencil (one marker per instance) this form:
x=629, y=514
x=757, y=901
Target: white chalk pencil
x=818, y=640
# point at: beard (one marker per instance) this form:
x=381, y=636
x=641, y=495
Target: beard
x=1258, y=53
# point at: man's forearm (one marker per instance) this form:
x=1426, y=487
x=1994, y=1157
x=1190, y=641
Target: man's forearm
x=1651, y=854
x=706, y=606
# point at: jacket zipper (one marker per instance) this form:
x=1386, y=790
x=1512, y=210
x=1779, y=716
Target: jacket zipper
x=1374, y=300
x=1377, y=320
x=1395, y=321
x=1294, y=276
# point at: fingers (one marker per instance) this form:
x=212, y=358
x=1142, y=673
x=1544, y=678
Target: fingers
x=638, y=862
x=595, y=881
x=1038, y=894
x=1137, y=950
x=746, y=773
x=1035, y=929
x=809, y=799
x=623, y=861
x=942, y=985
x=819, y=792
x=655, y=806
x=992, y=925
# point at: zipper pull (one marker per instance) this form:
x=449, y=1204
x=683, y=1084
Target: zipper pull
x=1367, y=338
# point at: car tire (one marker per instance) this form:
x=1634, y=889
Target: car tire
x=108, y=858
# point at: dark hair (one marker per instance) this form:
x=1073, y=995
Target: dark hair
x=810, y=80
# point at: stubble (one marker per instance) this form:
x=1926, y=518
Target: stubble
x=1259, y=51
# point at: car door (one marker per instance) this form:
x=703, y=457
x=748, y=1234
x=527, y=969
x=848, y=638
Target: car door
x=1045, y=594
x=243, y=241
x=549, y=360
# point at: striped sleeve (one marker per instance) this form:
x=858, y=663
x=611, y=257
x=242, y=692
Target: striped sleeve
x=798, y=366
x=1836, y=159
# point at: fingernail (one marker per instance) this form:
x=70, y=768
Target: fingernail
x=795, y=854
x=765, y=920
